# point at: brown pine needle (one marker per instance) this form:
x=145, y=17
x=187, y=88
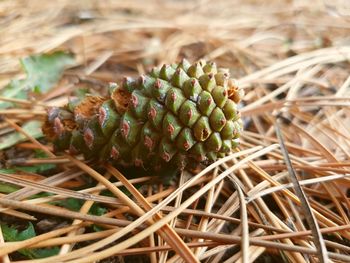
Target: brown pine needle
x=290, y=59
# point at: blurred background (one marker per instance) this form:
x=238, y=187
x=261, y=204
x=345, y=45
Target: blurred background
x=290, y=56
x=114, y=38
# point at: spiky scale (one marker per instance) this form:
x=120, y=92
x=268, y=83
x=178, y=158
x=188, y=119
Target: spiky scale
x=129, y=84
x=93, y=136
x=174, y=99
x=58, y=126
x=235, y=143
x=220, y=96
x=155, y=72
x=166, y=72
x=221, y=79
x=174, y=115
x=160, y=89
x=230, y=110
x=155, y=113
x=185, y=140
x=78, y=145
x=184, y=64
x=238, y=129
x=217, y=119
x=198, y=152
x=171, y=126
x=139, y=155
x=214, y=142
x=146, y=84
x=201, y=129
x=108, y=118
x=192, y=89
x=195, y=71
x=210, y=68
x=179, y=78
x=130, y=128
x=149, y=137
x=205, y=103
x=166, y=149
x=118, y=148
x=226, y=146
x=188, y=113
x=228, y=130
x=207, y=82
x=138, y=104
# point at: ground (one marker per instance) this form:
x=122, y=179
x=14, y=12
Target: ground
x=282, y=196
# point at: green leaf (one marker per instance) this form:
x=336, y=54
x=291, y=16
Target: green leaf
x=39, y=168
x=11, y=234
x=39, y=195
x=43, y=71
x=7, y=171
x=45, y=252
x=6, y=188
x=32, y=127
x=97, y=210
x=72, y=204
x=26, y=234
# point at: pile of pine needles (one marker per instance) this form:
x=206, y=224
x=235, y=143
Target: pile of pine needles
x=283, y=196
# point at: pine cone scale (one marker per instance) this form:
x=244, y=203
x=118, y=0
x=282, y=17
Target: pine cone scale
x=172, y=115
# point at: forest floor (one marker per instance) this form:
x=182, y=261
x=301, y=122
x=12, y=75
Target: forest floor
x=282, y=196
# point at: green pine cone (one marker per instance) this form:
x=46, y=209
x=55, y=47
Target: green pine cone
x=174, y=115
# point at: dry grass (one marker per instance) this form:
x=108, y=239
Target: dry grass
x=292, y=59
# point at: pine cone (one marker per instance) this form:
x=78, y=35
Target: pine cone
x=177, y=114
